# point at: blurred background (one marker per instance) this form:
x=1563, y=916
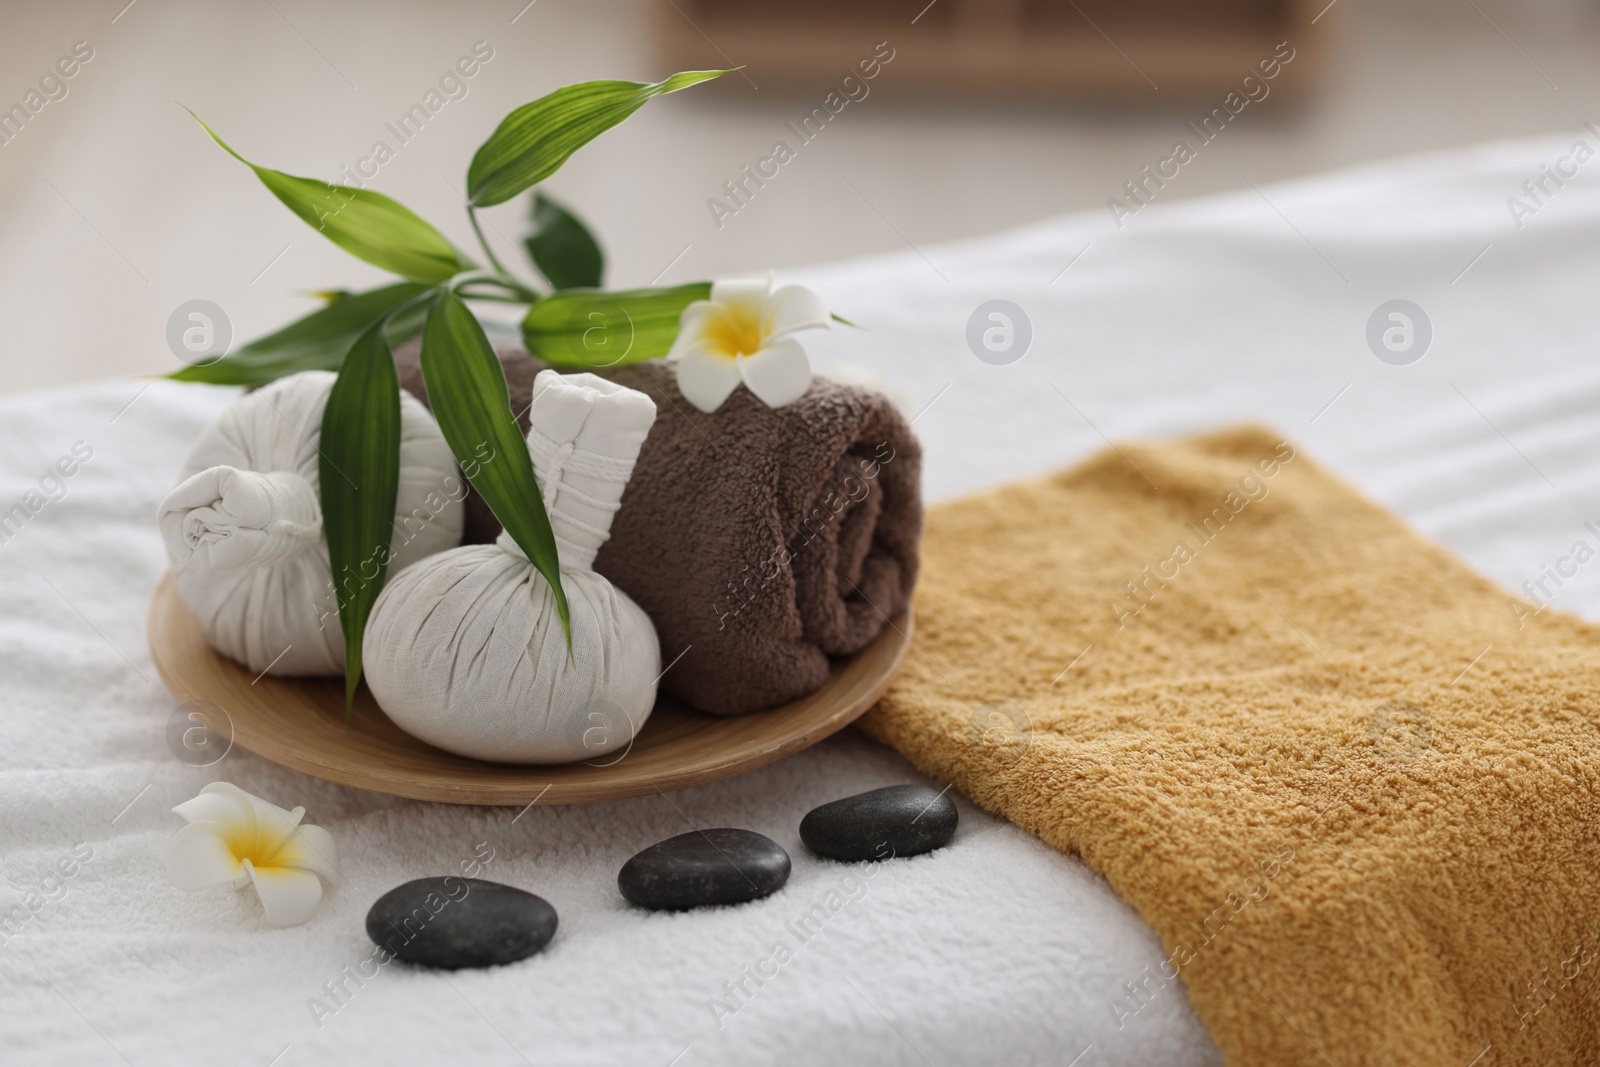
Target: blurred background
x=976, y=116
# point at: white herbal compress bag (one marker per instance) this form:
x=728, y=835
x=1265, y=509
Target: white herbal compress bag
x=243, y=528
x=465, y=649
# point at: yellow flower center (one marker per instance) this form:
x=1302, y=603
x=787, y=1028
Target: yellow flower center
x=734, y=334
x=261, y=845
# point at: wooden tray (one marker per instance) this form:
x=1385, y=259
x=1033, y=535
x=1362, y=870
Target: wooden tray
x=301, y=723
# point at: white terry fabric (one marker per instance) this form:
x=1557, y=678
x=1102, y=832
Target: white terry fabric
x=995, y=949
x=465, y=649
x=243, y=528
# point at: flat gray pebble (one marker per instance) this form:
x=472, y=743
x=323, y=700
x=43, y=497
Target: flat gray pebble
x=454, y=922
x=897, y=820
x=718, y=866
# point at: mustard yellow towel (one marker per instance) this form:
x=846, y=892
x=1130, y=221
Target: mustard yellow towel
x=1349, y=782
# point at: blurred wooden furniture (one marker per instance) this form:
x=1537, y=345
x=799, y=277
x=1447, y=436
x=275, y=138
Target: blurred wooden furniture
x=1027, y=47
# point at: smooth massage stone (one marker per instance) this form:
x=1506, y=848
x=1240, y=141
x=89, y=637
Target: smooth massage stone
x=721, y=866
x=897, y=820
x=455, y=922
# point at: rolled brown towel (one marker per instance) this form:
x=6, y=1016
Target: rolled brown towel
x=760, y=541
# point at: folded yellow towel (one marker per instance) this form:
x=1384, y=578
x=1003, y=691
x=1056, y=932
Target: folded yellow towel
x=1348, y=781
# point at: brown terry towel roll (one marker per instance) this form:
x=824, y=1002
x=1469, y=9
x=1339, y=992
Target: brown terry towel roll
x=760, y=541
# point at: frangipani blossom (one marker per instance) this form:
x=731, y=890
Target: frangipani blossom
x=242, y=840
x=743, y=334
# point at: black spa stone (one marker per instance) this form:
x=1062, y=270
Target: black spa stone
x=455, y=922
x=720, y=866
x=897, y=820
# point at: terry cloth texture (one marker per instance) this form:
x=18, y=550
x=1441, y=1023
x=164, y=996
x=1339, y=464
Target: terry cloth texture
x=760, y=541
x=1349, y=782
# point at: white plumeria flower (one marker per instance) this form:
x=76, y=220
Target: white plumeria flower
x=242, y=840
x=743, y=334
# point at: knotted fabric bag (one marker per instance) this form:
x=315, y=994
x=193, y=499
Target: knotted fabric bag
x=465, y=649
x=243, y=528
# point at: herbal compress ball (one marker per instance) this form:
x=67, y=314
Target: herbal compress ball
x=244, y=526
x=465, y=649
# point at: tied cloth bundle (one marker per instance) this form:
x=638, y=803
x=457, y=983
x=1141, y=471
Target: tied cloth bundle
x=1349, y=782
x=760, y=541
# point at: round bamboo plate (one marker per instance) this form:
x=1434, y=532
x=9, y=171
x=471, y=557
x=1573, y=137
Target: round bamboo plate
x=301, y=723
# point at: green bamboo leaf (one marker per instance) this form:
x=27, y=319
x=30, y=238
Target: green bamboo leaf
x=318, y=341
x=468, y=394
x=366, y=224
x=597, y=328
x=562, y=247
x=532, y=142
x=359, y=471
